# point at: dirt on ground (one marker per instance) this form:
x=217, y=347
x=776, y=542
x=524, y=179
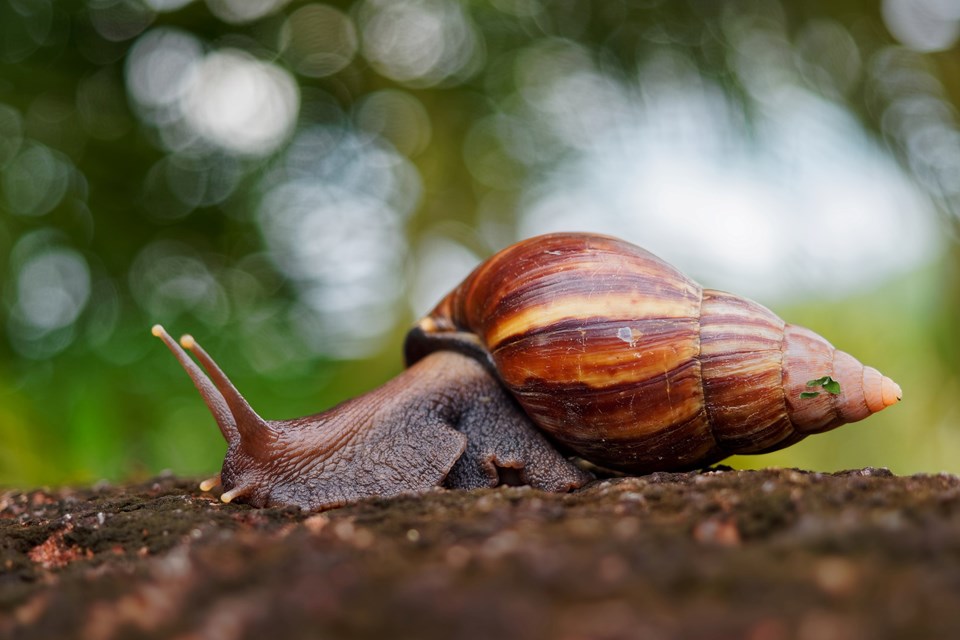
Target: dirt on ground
x=762, y=555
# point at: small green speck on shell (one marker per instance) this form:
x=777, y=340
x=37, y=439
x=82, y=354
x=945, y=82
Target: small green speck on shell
x=832, y=386
x=826, y=383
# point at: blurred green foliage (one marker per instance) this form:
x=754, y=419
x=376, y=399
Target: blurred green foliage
x=293, y=182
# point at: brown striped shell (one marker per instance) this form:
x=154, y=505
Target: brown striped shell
x=633, y=366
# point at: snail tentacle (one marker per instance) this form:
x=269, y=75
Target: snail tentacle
x=210, y=483
x=250, y=425
x=237, y=492
x=211, y=395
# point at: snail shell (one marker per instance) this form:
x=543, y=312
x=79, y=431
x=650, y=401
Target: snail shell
x=633, y=366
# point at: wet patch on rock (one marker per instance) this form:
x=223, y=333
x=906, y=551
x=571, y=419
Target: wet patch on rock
x=759, y=554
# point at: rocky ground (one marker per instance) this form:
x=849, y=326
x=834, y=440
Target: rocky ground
x=763, y=555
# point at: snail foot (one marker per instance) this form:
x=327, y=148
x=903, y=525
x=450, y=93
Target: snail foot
x=504, y=448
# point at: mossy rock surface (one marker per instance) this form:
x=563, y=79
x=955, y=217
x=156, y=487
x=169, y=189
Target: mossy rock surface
x=763, y=555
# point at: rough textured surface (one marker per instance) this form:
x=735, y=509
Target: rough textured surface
x=760, y=555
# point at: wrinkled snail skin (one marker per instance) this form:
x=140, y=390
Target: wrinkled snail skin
x=445, y=421
x=631, y=365
x=565, y=344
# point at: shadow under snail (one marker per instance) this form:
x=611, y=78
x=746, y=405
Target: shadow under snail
x=567, y=344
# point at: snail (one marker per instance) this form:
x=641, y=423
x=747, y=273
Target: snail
x=562, y=346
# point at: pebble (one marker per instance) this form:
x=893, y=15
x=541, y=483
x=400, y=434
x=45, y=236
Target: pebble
x=633, y=496
x=358, y=536
x=717, y=532
x=501, y=544
x=457, y=556
x=836, y=576
x=316, y=524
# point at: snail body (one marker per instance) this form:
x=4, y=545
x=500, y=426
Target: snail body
x=565, y=344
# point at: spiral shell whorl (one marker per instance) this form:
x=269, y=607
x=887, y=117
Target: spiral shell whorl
x=863, y=390
x=741, y=360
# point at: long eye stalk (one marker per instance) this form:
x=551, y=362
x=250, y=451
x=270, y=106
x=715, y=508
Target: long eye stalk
x=211, y=396
x=250, y=425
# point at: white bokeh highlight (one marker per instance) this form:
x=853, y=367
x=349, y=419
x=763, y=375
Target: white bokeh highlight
x=333, y=215
x=420, y=42
x=239, y=103
x=923, y=25
x=221, y=99
x=53, y=287
x=817, y=209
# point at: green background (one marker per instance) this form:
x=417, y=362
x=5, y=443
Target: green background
x=291, y=182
